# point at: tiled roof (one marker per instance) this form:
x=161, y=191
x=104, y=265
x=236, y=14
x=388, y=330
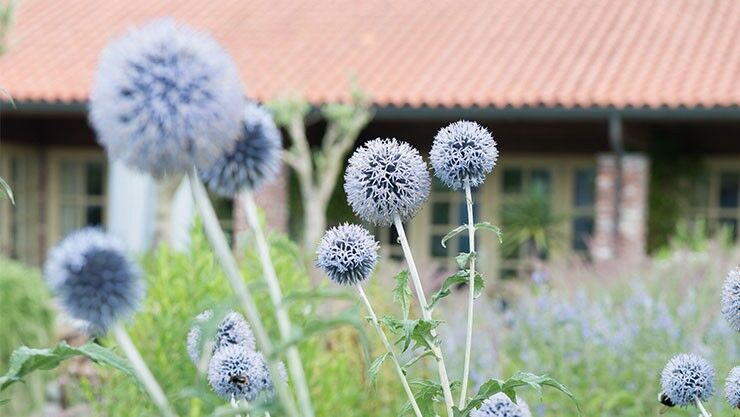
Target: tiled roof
x=500, y=53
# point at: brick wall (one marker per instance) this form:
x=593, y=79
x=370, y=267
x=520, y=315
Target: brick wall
x=631, y=242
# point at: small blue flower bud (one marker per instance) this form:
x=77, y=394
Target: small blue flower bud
x=348, y=254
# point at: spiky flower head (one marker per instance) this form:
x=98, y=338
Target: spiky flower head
x=731, y=298
x=347, y=253
x=523, y=407
x=732, y=387
x=165, y=97
x=497, y=405
x=232, y=330
x=687, y=377
x=236, y=372
x=463, y=150
x=254, y=161
x=94, y=279
x=386, y=178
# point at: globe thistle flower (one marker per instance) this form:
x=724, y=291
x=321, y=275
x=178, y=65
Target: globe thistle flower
x=386, y=178
x=732, y=387
x=731, y=299
x=165, y=97
x=463, y=150
x=497, y=405
x=687, y=377
x=348, y=254
x=236, y=372
x=94, y=279
x=232, y=330
x=523, y=407
x=255, y=159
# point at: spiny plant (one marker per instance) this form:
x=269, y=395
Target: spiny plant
x=386, y=183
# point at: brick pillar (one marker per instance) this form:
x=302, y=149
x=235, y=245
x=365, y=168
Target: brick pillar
x=272, y=198
x=632, y=241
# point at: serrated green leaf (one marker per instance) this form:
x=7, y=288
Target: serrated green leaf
x=422, y=333
x=372, y=372
x=25, y=360
x=491, y=228
x=6, y=191
x=460, y=277
x=427, y=395
x=417, y=358
x=417, y=331
x=402, y=292
x=464, y=258
x=454, y=232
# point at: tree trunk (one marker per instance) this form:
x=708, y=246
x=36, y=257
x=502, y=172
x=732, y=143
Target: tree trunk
x=166, y=189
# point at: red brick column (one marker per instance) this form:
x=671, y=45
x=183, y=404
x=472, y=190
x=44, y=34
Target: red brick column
x=273, y=200
x=632, y=237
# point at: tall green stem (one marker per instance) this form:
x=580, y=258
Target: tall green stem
x=703, y=410
x=425, y=312
x=223, y=253
x=471, y=295
x=283, y=319
x=142, y=371
x=391, y=351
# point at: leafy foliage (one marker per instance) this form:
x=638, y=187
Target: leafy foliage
x=402, y=292
x=460, y=277
x=6, y=191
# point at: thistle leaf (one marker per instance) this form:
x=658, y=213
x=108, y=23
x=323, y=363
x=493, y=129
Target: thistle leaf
x=372, y=372
x=491, y=228
x=402, y=292
x=25, y=360
x=427, y=395
x=461, y=277
x=464, y=258
x=417, y=331
x=454, y=232
x=6, y=191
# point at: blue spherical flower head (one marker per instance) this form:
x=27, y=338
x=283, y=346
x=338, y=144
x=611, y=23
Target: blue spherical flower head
x=731, y=299
x=232, y=330
x=687, y=377
x=732, y=387
x=497, y=405
x=94, y=279
x=236, y=372
x=165, y=97
x=386, y=178
x=463, y=150
x=254, y=161
x=348, y=254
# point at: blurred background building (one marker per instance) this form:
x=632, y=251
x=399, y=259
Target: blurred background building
x=615, y=120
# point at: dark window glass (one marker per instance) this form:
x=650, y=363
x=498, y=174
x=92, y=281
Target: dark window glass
x=512, y=181
x=393, y=236
x=540, y=180
x=730, y=225
x=436, y=248
x=728, y=189
x=441, y=213
x=462, y=211
x=508, y=273
x=94, y=171
x=585, y=188
x=583, y=228
x=94, y=215
x=463, y=243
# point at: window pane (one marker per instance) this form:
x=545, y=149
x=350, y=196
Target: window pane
x=68, y=219
x=70, y=175
x=512, y=181
x=94, y=178
x=462, y=211
x=441, y=213
x=393, y=236
x=540, y=180
x=463, y=245
x=435, y=247
x=94, y=216
x=728, y=189
x=585, y=188
x=583, y=228
x=730, y=225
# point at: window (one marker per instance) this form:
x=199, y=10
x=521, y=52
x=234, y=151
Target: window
x=716, y=197
x=584, y=199
x=390, y=247
x=78, y=182
x=19, y=234
x=449, y=211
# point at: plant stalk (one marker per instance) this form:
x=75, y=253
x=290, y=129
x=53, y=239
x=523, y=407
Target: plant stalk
x=425, y=313
x=142, y=371
x=703, y=410
x=391, y=351
x=471, y=294
x=297, y=374
x=223, y=253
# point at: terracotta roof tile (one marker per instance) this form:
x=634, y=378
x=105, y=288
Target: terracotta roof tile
x=627, y=53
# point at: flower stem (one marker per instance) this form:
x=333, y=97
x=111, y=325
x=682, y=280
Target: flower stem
x=234, y=405
x=391, y=351
x=221, y=249
x=425, y=313
x=142, y=371
x=703, y=410
x=471, y=294
x=283, y=319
